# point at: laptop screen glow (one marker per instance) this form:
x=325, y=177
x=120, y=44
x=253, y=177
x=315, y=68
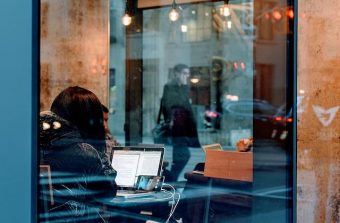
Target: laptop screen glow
x=130, y=164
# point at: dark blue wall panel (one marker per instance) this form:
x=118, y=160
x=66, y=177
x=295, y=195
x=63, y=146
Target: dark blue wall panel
x=16, y=111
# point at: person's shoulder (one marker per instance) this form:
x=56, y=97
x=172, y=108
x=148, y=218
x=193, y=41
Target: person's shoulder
x=166, y=86
x=170, y=87
x=88, y=150
x=86, y=147
x=111, y=140
x=171, y=84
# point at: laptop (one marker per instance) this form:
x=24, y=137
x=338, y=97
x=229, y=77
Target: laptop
x=138, y=169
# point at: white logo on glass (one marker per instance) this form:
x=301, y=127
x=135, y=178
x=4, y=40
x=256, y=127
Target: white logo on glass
x=325, y=116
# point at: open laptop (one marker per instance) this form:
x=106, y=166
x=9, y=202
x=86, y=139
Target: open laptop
x=138, y=169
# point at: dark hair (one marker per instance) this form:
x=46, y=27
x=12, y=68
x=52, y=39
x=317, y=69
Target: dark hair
x=105, y=109
x=83, y=109
x=179, y=67
x=173, y=74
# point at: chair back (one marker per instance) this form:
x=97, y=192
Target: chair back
x=45, y=187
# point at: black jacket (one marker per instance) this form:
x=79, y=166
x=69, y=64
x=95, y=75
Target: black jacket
x=178, y=111
x=80, y=174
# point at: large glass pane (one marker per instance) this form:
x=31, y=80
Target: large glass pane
x=218, y=49
x=239, y=90
x=217, y=78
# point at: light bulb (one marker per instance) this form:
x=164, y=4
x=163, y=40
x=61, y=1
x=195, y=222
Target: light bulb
x=290, y=13
x=229, y=23
x=184, y=28
x=276, y=15
x=194, y=80
x=243, y=66
x=126, y=19
x=173, y=15
x=226, y=10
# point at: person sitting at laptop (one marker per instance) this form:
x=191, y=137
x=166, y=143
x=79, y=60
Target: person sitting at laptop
x=110, y=140
x=72, y=143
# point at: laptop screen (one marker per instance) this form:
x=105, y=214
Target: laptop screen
x=131, y=162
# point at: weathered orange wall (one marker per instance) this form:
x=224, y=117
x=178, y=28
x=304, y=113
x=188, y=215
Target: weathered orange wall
x=74, y=47
x=318, y=175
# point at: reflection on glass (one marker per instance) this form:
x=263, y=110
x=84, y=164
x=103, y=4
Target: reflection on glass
x=237, y=58
x=220, y=55
x=223, y=72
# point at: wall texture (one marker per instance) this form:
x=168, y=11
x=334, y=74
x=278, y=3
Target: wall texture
x=74, y=47
x=318, y=189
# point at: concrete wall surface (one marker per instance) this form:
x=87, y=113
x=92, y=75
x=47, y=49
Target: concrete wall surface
x=74, y=47
x=318, y=174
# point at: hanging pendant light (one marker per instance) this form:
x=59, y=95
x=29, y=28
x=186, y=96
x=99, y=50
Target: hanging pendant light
x=126, y=18
x=225, y=11
x=173, y=14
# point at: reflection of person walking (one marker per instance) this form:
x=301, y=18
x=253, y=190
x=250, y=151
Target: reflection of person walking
x=177, y=110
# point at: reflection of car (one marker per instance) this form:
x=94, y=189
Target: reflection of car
x=282, y=122
x=212, y=119
x=248, y=113
x=258, y=109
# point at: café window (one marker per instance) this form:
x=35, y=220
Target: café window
x=216, y=78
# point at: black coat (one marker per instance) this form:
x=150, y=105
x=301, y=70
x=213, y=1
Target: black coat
x=178, y=111
x=79, y=174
